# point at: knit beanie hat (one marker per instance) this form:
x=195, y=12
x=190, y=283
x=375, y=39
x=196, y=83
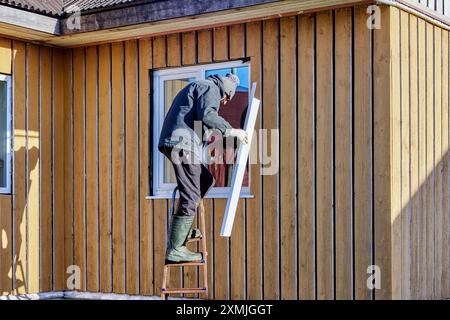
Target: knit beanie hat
x=230, y=82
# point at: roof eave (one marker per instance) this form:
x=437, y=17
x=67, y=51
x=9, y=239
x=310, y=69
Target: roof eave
x=29, y=21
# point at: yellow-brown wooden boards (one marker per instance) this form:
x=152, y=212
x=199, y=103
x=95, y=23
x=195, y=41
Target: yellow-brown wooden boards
x=33, y=172
x=58, y=168
x=445, y=289
x=269, y=187
x=5, y=56
x=104, y=169
x=145, y=206
x=160, y=207
x=131, y=167
x=430, y=207
x=287, y=119
x=405, y=154
x=437, y=163
x=92, y=243
x=5, y=244
x=343, y=154
x=204, y=46
x=237, y=249
x=46, y=243
x=68, y=160
x=78, y=162
x=363, y=213
x=19, y=269
x=221, y=244
x=306, y=249
x=118, y=167
x=414, y=149
x=382, y=153
x=324, y=159
x=253, y=206
x=395, y=154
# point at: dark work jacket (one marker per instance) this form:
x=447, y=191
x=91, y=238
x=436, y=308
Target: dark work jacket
x=194, y=108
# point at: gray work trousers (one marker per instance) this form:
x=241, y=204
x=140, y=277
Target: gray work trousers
x=193, y=179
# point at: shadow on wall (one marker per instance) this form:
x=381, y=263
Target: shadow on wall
x=421, y=231
x=18, y=270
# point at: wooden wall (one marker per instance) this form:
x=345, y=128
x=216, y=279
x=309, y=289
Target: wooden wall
x=420, y=154
x=321, y=78
x=363, y=160
x=31, y=218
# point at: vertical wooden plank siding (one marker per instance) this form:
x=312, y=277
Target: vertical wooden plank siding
x=68, y=160
x=221, y=244
x=343, y=155
x=405, y=153
x=204, y=45
x=145, y=206
x=422, y=157
x=19, y=267
x=79, y=161
x=382, y=153
x=288, y=234
x=270, y=182
x=5, y=56
x=306, y=206
x=396, y=165
x=160, y=207
x=437, y=164
x=363, y=173
x=445, y=223
x=188, y=48
x=33, y=166
x=58, y=169
x=237, y=250
x=414, y=149
x=253, y=221
x=131, y=168
x=92, y=269
x=324, y=153
x=429, y=222
x=46, y=243
x=104, y=156
x=118, y=167
x=5, y=242
x=362, y=146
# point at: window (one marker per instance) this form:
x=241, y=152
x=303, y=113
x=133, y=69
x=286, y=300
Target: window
x=5, y=134
x=167, y=83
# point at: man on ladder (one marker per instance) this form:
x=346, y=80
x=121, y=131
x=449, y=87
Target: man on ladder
x=182, y=145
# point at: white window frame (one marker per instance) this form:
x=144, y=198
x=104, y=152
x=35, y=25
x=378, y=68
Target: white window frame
x=161, y=189
x=8, y=160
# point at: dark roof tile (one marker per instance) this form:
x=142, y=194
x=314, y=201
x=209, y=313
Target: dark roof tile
x=59, y=7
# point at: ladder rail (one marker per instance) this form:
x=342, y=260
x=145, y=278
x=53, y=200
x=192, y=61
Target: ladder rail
x=201, y=264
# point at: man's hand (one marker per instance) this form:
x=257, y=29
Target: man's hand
x=240, y=134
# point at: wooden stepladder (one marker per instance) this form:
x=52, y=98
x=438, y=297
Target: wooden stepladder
x=165, y=292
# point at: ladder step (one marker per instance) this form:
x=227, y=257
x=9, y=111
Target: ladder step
x=184, y=264
x=195, y=240
x=184, y=290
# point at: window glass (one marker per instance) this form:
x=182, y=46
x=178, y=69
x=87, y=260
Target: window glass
x=234, y=112
x=167, y=84
x=3, y=134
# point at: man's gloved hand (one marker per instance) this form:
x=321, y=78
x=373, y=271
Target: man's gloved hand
x=240, y=134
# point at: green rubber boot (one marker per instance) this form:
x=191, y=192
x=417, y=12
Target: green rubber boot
x=177, y=251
